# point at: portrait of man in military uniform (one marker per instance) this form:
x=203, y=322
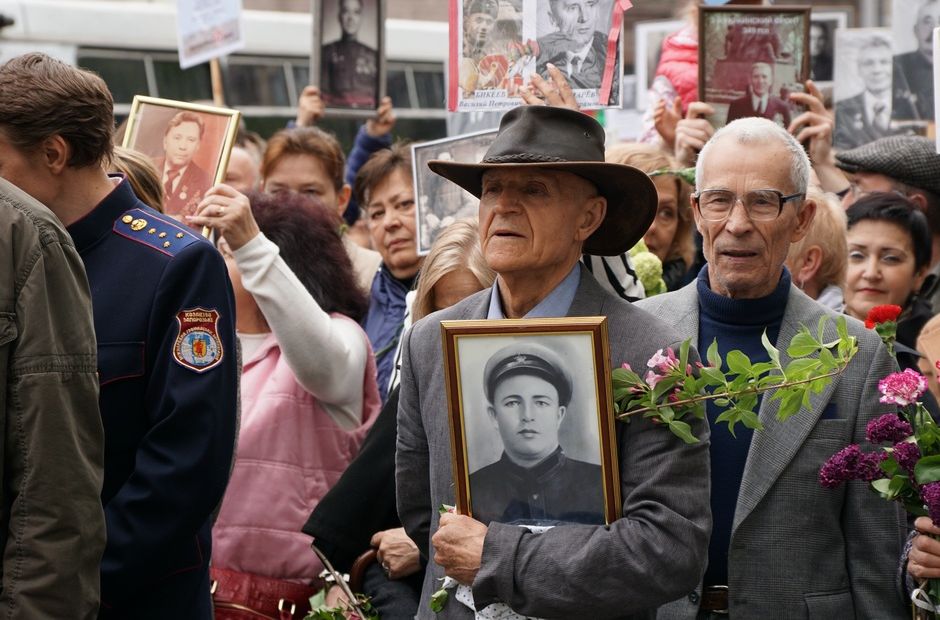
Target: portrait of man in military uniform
x=913, y=65
x=349, y=61
x=528, y=390
x=184, y=181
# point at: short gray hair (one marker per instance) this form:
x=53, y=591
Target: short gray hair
x=758, y=130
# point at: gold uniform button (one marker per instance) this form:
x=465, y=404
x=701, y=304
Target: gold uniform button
x=162, y=235
x=166, y=244
x=151, y=231
x=138, y=224
x=179, y=235
x=127, y=219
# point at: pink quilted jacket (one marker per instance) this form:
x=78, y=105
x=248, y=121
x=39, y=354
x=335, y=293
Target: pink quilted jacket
x=290, y=452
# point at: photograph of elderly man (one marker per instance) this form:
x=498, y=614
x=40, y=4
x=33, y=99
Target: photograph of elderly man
x=528, y=391
x=913, y=70
x=759, y=100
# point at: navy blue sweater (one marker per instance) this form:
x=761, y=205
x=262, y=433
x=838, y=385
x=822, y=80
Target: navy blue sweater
x=735, y=324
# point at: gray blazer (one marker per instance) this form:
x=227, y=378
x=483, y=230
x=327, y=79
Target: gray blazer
x=652, y=555
x=799, y=550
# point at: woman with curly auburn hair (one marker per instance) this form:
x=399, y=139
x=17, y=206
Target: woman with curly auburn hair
x=308, y=390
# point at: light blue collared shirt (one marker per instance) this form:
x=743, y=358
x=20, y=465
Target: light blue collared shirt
x=556, y=304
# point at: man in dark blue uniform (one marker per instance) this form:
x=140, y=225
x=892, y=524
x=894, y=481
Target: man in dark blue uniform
x=163, y=312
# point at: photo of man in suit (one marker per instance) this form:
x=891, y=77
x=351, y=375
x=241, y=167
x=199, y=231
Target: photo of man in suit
x=528, y=391
x=349, y=67
x=184, y=182
x=820, y=51
x=547, y=195
x=781, y=546
x=759, y=101
x=866, y=117
x=913, y=71
x=578, y=46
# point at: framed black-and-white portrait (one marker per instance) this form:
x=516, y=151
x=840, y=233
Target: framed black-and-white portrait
x=862, y=96
x=912, y=24
x=649, y=45
x=822, y=41
x=750, y=59
x=189, y=144
x=573, y=36
x=531, y=421
x=351, y=58
x=438, y=202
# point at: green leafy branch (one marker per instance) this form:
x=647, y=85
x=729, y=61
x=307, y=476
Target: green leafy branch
x=673, y=389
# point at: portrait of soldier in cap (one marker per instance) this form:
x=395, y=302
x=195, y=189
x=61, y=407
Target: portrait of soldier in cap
x=528, y=392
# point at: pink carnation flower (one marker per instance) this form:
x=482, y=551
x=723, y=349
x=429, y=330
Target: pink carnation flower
x=902, y=388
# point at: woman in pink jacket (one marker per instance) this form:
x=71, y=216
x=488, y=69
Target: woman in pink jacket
x=308, y=392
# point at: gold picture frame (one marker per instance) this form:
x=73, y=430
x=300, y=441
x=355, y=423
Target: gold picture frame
x=525, y=446
x=199, y=139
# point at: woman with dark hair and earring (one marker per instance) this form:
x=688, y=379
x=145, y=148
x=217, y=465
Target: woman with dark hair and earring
x=889, y=254
x=308, y=391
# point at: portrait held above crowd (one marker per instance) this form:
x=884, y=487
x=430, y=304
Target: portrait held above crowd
x=346, y=366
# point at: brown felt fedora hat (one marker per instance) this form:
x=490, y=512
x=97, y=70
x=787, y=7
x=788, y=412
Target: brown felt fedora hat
x=562, y=139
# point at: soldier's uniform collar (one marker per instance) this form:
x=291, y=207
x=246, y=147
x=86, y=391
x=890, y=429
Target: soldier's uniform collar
x=99, y=221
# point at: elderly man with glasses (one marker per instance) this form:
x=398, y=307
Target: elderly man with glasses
x=781, y=544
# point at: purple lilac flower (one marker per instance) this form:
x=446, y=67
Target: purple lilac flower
x=930, y=493
x=902, y=388
x=888, y=428
x=906, y=453
x=851, y=463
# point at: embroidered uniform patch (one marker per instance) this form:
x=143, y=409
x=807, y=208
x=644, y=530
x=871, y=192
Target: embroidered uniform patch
x=198, y=346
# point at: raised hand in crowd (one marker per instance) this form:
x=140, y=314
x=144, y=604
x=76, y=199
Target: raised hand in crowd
x=554, y=92
x=693, y=132
x=397, y=553
x=310, y=107
x=666, y=118
x=924, y=559
x=814, y=129
x=384, y=120
x=228, y=213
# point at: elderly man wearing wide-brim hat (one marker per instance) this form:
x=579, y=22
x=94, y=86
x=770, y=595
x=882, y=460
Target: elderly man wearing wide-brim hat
x=546, y=195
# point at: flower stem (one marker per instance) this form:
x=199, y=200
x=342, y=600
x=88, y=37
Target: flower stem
x=714, y=395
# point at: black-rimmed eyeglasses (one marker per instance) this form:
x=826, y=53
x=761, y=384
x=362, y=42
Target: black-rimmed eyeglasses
x=715, y=205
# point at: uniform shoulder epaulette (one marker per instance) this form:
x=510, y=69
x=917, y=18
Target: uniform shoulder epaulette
x=160, y=232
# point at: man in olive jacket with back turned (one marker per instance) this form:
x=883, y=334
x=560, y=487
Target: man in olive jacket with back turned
x=53, y=443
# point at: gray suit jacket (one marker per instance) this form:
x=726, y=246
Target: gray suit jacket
x=652, y=555
x=799, y=550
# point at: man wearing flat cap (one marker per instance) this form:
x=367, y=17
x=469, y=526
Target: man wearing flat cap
x=909, y=165
x=546, y=195
x=529, y=391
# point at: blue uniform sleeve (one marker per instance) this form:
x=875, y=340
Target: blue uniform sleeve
x=363, y=148
x=158, y=522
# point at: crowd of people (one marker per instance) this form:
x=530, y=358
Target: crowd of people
x=186, y=416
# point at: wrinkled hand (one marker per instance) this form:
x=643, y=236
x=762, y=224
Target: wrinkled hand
x=556, y=91
x=666, y=118
x=458, y=546
x=310, y=107
x=924, y=560
x=397, y=554
x=814, y=126
x=384, y=120
x=228, y=212
x=693, y=132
